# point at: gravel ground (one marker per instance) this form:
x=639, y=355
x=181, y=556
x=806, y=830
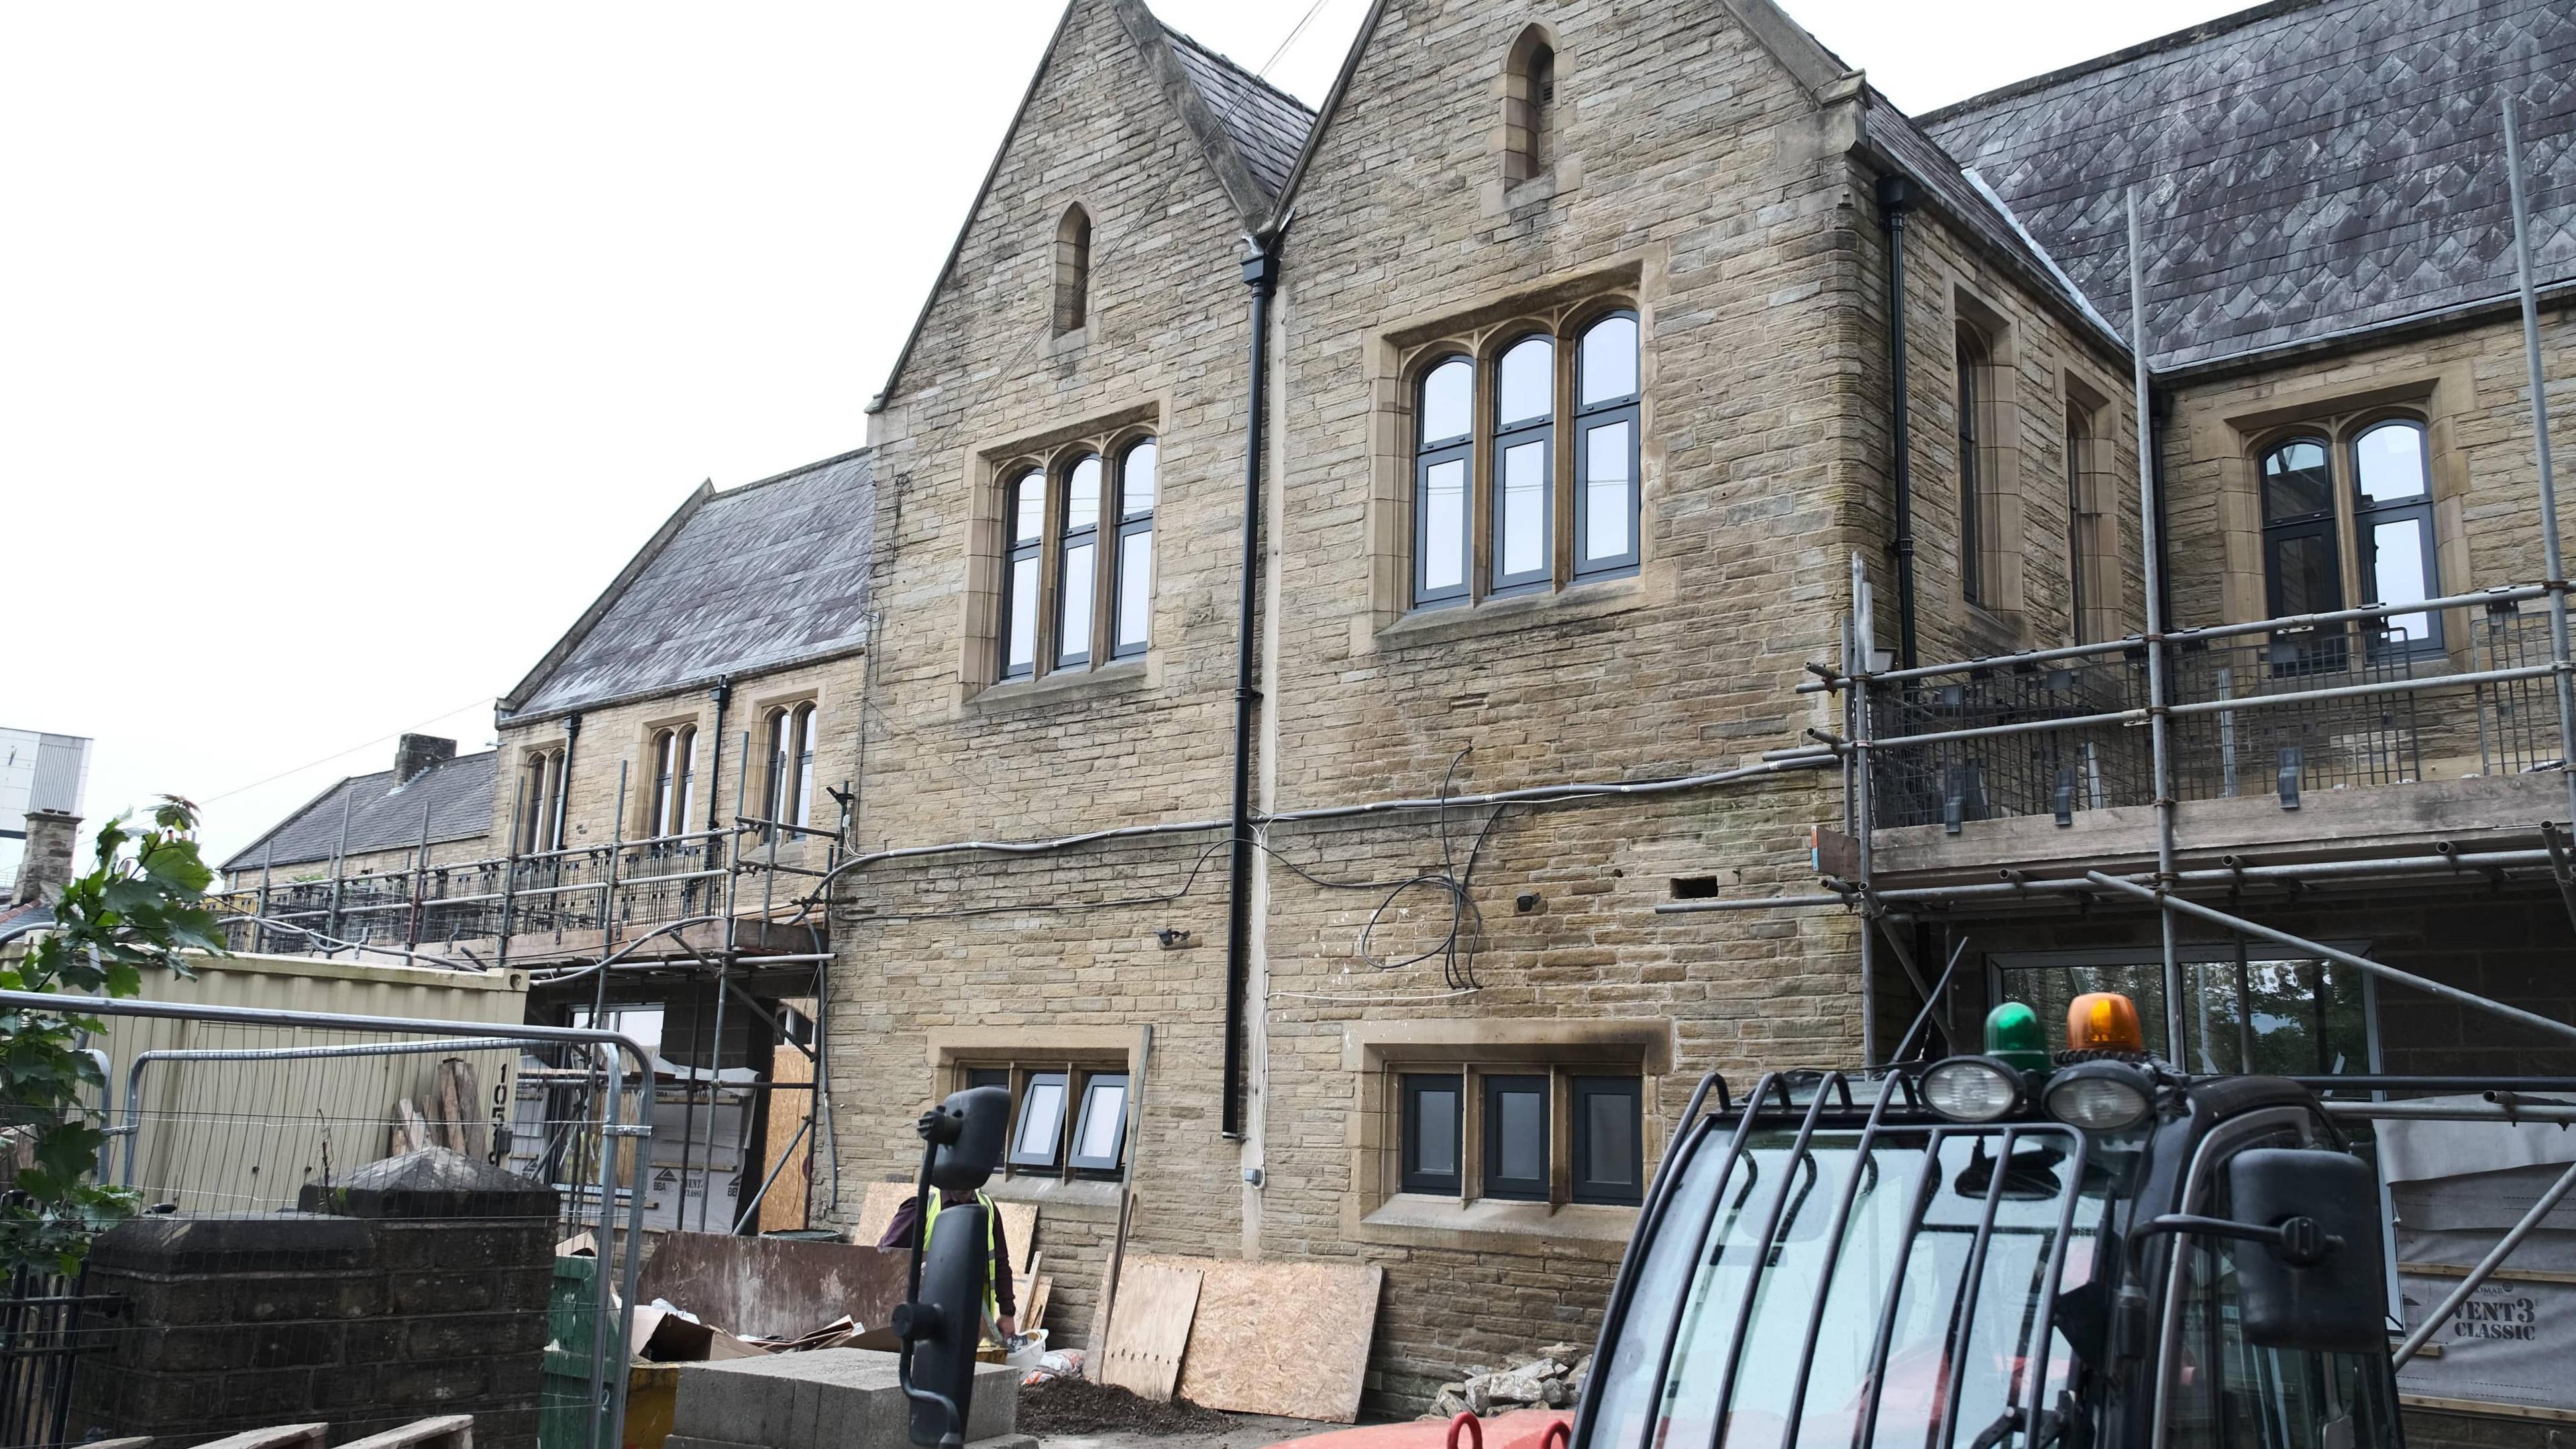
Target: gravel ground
x=1077, y=1414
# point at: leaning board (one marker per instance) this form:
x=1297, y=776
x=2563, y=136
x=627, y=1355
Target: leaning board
x=1277, y=1338
x=1149, y=1326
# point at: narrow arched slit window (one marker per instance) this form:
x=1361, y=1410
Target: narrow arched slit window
x=1077, y=568
x=1973, y=480
x=1524, y=498
x=1444, y=426
x=1605, y=446
x=1132, y=598
x=686, y=762
x=1072, y=270
x=666, y=747
x=801, y=802
x=778, y=732
x=1529, y=107
x=1024, y=515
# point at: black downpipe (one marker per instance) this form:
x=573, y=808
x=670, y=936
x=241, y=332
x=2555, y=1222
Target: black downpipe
x=563, y=786
x=2160, y=405
x=1895, y=199
x=1261, y=274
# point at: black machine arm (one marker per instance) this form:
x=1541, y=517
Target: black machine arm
x=961, y=1146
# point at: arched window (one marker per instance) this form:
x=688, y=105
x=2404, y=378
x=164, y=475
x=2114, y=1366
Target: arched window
x=779, y=734
x=801, y=761
x=2086, y=545
x=536, y=802
x=1444, y=428
x=687, y=752
x=1524, y=500
x=1605, y=446
x=2392, y=509
x=2300, y=571
x=1072, y=270
x=666, y=748
x=1973, y=482
x=1529, y=107
x=1024, y=514
x=1078, y=553
x=1132, y=597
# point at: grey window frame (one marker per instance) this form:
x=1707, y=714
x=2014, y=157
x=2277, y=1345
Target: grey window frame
x=1017, y=551
x=1412, y=1087
x=686, y=773
x=1067, y=539
x=1599, y=415
x=1054, y=1155
x=2368, y=517
x=1541, y=430
x=2079, y=438
x=1583, y=1189
x=1129, y=525
x=1491, y=1183
x=1973, y=356
x=1432, y=452
x=1073, y=1157
x=2305, y=653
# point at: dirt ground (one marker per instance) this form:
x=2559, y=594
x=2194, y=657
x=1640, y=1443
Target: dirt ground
x=1073, y=1414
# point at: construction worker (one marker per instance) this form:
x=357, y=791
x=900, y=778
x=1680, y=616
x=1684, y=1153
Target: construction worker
x=1001, y=1306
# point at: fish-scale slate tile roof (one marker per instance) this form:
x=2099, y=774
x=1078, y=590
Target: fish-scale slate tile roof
x=457, y=794
x=758, y=577
x=1268, y=125
x=2303, y=169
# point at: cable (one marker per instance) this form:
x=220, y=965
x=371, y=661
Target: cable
x=337, y=754
x=1293, y=32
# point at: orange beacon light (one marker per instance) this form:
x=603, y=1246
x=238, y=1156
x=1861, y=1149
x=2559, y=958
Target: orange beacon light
x=2103, y=1021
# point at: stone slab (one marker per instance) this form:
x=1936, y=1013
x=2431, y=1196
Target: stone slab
x=834, y=1398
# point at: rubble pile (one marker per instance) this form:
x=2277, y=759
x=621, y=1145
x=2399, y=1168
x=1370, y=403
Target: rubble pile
x=1550, y=1379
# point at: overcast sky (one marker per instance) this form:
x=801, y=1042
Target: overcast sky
x=347, y=351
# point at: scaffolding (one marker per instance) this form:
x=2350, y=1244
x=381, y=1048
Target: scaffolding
x=2283, y=705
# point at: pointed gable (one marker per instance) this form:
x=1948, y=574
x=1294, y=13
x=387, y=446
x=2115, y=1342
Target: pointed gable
x=1267, y=126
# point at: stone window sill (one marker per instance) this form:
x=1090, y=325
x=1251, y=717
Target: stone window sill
x=1583, y=1230
x=1588, y=599
x=1120, y=676
x=1049, y=1191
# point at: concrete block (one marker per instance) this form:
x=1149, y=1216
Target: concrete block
x=840, y=1398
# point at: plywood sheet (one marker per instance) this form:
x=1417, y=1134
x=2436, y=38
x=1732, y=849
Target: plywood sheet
x=1149, y=1329
x=877, y=1210
x=1277, y=1338
x=788, y=1195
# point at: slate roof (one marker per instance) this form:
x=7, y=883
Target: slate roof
x=1268, y=125
x=457, y=794
x=2304, y=168
x=751, y=579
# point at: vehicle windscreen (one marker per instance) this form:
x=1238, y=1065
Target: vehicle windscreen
x=1885, y=1288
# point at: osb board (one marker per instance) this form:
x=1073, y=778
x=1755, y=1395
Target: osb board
x=785, y=1205
x=1276, y=1338
x=1149, y=1328
x=876, y=1211
x=773, y=1287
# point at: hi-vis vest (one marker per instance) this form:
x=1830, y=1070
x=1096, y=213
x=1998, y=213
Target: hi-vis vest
x=992, y=1239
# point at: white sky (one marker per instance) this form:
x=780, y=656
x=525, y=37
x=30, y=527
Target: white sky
x=347, y=351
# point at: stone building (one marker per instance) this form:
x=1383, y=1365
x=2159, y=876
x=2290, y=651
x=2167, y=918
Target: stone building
x=1582, y=395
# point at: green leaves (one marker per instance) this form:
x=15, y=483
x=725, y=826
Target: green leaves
x=134, y=913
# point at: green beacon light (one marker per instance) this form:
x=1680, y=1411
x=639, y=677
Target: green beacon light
x=2013, y=1037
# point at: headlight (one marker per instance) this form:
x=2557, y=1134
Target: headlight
x=2100, y=1096
x=1971, y=1089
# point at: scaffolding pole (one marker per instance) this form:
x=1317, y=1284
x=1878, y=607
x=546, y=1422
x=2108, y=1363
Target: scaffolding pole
x=2557, y=580
x=2158, y=726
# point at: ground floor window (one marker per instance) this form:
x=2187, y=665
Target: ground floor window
x=2253, y=1011
x=1066, y=1120
x=1539, y=1134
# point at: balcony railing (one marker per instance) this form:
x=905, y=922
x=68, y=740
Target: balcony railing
x=2333, y=706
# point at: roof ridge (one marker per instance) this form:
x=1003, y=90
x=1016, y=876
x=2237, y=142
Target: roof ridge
x=798, y=471
x=1230, y=63
x=2189, y=35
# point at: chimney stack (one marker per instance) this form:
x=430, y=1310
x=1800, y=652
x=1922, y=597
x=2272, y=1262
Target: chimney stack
x=52, y=836
x=415, y=753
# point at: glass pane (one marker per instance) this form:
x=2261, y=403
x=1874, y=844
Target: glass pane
x=1528, y=387
x=2388, y=462
x=1524, y=509
x=2303, y=574
x=1029, y=508
x=1136, y=483
x=2399, y=568
x=1435, y=1137
x=1444, y=526
x=2286, y=1017
x=1082, y=495
x=2295, y=481
x=1041, y=1116
x=1076, y=641
x=1523, y=1155
x=1605, y=492
x=1626, y=1379
x=1448, y=394
x=1104, y=1108
x=1609, y=359
x=1135, y=589
x=1023, y=650
x=1610, y=1133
